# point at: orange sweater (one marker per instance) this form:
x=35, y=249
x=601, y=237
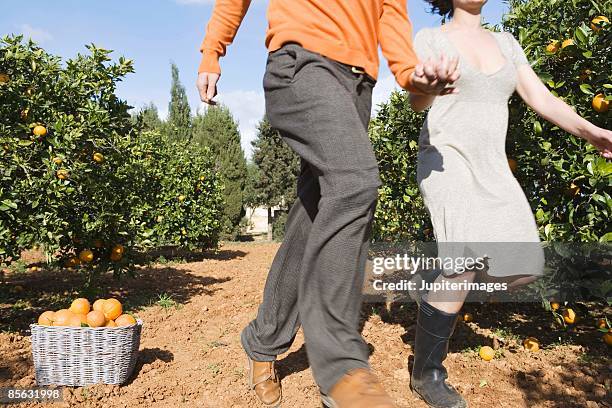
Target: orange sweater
x=348, y=31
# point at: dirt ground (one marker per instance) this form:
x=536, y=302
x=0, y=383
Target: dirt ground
x=191, y=355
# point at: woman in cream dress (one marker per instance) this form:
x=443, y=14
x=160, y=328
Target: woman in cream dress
x=477, y=207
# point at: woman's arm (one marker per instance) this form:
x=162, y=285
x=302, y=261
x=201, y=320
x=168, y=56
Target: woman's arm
x=553, y=109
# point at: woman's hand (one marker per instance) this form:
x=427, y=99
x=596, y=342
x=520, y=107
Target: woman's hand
x=601, y=139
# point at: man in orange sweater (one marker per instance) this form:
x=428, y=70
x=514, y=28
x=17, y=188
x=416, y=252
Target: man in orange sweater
x=321, y=70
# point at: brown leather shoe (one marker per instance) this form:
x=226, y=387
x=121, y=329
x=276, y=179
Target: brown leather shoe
x=264, y=380
x=359, y=388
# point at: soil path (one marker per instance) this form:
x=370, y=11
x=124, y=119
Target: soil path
x=191, y=354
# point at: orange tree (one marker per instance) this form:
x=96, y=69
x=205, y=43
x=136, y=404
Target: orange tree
x=75, y=170
x=566, y=180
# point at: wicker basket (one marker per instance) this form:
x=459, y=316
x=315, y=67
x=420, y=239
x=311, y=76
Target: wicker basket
x=79, y=356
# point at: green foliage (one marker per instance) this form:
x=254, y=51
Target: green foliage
x=179, y=111
x=566, y=180
x=400, y=213
x=100, y=201
x=217, y=130
x=148, y=118
x=277, y=166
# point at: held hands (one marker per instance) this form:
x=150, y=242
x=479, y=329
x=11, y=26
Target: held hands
x=436, y=76
x=601, y=139
x=207, y=86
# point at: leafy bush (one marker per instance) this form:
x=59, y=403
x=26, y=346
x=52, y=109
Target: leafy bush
x=566, y=180
x=76, y=174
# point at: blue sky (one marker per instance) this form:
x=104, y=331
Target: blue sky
x=155, y=32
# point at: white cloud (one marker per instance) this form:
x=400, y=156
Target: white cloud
x=248, y=108
x=38, y=35
x=382, y=91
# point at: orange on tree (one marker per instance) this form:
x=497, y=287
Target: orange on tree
x=554, y=305
x=115, y=256
x=553, y=46
x=125, y=320
x=112, y=309
x=118, y=249
x=600, y=104
x=110, y=323
x=63, y=317
x=39, y=131
x=596, y=22
x=601, y=323
x=181, y=198
x=58, y=160
x=80, y=306
x=98, y=158
x=569, y=316
x=62, y=174
x=4, y=78
x=513, y=164
x=467, y=317
x=86, y=256
x=96, y=318
x=607, y=338
x=46, y=318
x=486, y=353
x=531, y=344
x=97, y=306
x=567, y=43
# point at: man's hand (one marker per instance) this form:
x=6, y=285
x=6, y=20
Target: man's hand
x=207, y=86
x=436, y=76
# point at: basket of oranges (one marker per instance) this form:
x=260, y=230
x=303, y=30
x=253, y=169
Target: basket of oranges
x=85, y=345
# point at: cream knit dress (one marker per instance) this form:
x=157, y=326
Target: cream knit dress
x=476, y=205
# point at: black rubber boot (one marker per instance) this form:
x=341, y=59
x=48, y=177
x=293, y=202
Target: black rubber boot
x=428, y=379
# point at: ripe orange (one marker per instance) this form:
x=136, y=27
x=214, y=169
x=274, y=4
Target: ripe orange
x=86, y=256
x=567, y=43
x=600, y=104
x=513, y=164
x=80, y=306
x=98, y=304
x=40, y=131
x=63, y=317
x=569, y=316
x=486, y=353
x=110, y=323
x=58, y=160
x=115, y=257
x=554, y=305
x=96, y=318
x=553, y=47
x=607, y=338
x=98, y=157
x=125, y=320
x=601, y=323
x=467, y=317
x=82, y=319
x=62, y=174
x=47, y=318
x=596, y=22
x=531, y=344
x=118, y=249
x=4, y=78
x=112, y=309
